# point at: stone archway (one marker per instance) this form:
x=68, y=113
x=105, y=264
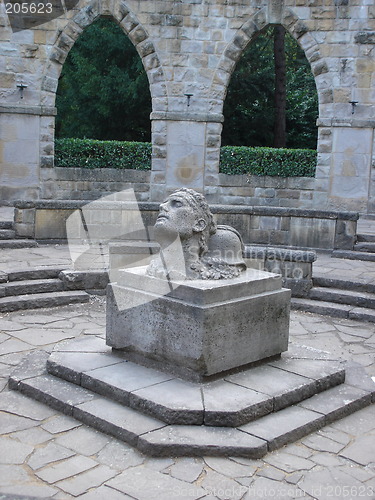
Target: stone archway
x=251, y=29
x=65, y=41
x=68, y=36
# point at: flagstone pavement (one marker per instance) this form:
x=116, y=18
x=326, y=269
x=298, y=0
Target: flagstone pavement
x=45, y=454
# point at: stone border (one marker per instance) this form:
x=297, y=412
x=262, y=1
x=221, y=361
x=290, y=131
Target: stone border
x=156, y=438
x=314, y=229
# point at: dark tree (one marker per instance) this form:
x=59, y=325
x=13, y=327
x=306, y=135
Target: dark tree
x=279, y=138
x=103, y=91
x=249, y=108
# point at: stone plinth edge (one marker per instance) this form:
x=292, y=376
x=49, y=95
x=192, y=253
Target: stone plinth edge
x=155, y=437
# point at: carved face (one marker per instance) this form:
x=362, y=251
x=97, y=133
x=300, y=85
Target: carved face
x=177, y=216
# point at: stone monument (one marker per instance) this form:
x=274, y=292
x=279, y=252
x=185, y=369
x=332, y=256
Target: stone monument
x=214, y=330
x=196, y=310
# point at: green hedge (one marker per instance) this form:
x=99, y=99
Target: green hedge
x=89, y=153
x=268, y=161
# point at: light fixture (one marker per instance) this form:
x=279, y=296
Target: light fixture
x=354, y=104
x=21, y=86
x=189, y=96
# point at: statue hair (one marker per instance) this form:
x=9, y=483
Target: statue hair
x=200, y=205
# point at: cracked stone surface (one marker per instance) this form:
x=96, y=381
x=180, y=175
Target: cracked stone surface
x=50, y=455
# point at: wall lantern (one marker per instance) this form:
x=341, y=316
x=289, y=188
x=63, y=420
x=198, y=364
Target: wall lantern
x=189, y=96
x=21, y=86
x=354, y=104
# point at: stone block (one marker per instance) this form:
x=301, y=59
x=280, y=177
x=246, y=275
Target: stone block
x=56, y=393
x=50, y=224
x=31, y=366
x=241, y=404
x=193, y=441
x=24, y=230
x=287, y=425
x=119, y=421
x=168, y=401
x=346, y=234
x=81, y=280
x=286, y=388
x=199, y=328
x=341, y=401
x=312, y=232
x=70, y=366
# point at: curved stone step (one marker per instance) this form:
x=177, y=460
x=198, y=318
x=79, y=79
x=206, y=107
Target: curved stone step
x=335, y=310
x=35, y=273
x=14, y=244
x=320, y=307
x=362, y=237
x=7, y=234
x=353, y=255
x=365, y=246
x=340, y=296
x=6, y=224
x=360, y=285
x=362, y=314
x=31, y=287
x=38, y=300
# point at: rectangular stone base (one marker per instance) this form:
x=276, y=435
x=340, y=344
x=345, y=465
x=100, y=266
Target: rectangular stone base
x=198, y=328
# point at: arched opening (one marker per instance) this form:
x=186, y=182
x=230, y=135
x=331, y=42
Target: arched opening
x=249, y=108
x=103, y=90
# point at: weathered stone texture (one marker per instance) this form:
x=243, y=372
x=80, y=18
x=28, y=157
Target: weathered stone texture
x=192, y=48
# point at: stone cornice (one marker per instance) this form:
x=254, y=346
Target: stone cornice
x=28, y=110
x=179, y=116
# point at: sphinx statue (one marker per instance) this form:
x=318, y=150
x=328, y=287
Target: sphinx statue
x=192, y=245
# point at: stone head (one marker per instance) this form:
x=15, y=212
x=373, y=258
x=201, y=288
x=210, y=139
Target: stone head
x=185, y=213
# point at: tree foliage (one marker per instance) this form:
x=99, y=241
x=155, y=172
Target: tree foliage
x=249, y=107
x=103, y=91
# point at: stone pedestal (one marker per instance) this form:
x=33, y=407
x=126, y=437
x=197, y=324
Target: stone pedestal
x=197, y=329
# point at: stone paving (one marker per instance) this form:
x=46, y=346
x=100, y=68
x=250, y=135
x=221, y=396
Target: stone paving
x=344, y=269
x=45, y=454
x=48, y=455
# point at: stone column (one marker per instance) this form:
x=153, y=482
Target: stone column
x=20, y=156
x=186, y=151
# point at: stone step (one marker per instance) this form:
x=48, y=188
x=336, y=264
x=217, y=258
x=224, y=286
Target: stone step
x=353, y=255
x=339, y=296
x=320, y=307
x=365, y=246
x=34, y=273
x=31, y=287
x=38, y=300
x=154, y=437
x=7, y=234
x=133, y=427
x=362, y=314
x=366, y=237
x=356, y=286
x=6, y=224
x=14, y=244
x=335, y=310
x=251, y=394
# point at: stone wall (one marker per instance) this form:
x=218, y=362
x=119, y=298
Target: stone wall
x=296, y=192
x=62, y=183
x=292, y=227
x=191, y=47
x=91, y=184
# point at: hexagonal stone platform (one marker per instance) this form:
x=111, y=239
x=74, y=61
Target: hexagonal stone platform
x=242, y=414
